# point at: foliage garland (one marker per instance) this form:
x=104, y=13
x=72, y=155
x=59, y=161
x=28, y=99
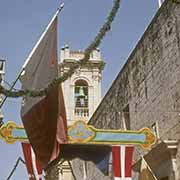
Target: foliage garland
x=176, y=1
x=95, y=43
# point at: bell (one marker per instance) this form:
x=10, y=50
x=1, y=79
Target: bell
x=81, y=92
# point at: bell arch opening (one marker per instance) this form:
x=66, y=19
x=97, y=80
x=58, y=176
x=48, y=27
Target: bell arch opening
x=81, y=99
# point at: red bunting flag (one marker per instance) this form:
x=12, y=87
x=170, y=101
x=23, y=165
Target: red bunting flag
x=122, y=162
x=44, y=117
x=33, y=166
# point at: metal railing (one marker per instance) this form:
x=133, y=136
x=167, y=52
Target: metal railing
x=81, y=112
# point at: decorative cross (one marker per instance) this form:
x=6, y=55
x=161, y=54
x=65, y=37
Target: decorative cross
x=82, y=133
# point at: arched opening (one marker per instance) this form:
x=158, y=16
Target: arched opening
x=81, y=98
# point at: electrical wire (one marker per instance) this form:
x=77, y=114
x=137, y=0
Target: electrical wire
x=15, y=166
x=8, y=84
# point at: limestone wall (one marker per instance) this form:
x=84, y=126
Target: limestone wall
x=149, y=83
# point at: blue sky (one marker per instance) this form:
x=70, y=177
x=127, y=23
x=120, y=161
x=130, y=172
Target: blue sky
x=23, y=21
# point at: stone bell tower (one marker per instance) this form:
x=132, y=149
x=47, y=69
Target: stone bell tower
x=82, y=91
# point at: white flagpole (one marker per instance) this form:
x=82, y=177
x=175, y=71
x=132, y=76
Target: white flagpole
x=84, y=170
x=34, y=168
x=142, y=158
x=42, y=36
x=31, y=53
x=160, y=3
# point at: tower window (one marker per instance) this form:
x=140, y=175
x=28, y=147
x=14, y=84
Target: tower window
x=81, y=98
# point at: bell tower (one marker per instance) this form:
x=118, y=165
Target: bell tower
x=82, y=91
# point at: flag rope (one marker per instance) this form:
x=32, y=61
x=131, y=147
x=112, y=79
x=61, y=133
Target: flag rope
x=93, y=45
x=176, y=1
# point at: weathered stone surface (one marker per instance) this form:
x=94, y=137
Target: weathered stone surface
x=149, y=83
x=91, y=171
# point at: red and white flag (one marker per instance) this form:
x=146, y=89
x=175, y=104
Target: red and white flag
x=34, y=168
x=122, y=162
x=44, y=118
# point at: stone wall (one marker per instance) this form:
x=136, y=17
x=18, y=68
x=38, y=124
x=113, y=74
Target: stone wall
x=149, y=83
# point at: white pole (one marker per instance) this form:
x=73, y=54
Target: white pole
x=34, y=168
x=42, y=36
x=84, y=170
x=142, y=159
x=160, y=3
x=28, y=58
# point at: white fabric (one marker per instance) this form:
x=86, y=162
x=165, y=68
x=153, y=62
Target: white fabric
x=160, y=2
x=122, y=161
x=84, y=171
x=34, y=164
x=125, y=178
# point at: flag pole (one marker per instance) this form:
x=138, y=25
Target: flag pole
x=159, y=1
x=84, y=170
x=31, y=53
x=142, y=158
x=42, y=36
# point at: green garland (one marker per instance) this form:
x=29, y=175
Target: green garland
x=176, y=1
x=97, y=40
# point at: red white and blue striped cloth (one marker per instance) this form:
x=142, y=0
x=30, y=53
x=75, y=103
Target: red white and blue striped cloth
x=34, y=168
x=122, y=162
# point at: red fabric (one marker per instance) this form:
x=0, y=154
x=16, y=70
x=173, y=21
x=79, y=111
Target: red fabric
x=41, y=124
x=128, y=161
x=122, y=161
x=116, y=161
x=44, y=118
x=61, y=132
x=39, y=169
x=27, y=151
